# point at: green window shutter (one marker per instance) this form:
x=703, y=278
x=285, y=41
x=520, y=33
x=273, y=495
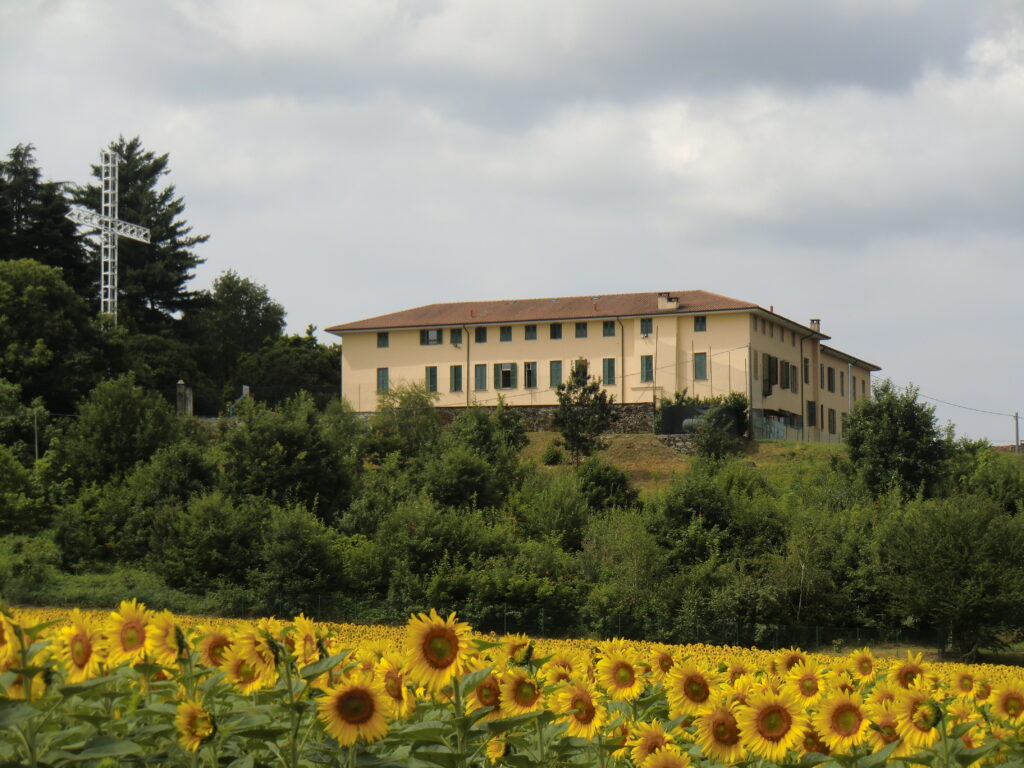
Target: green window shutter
x=497, y=375
x=515, y=376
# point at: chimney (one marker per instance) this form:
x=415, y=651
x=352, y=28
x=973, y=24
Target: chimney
x=816, y=324
x=667, y=302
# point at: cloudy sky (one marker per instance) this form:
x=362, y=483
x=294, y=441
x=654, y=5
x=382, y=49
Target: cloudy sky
x=855, y=160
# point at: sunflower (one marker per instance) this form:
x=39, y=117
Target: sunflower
x=520, y=693
x=307, y=649
x=486, y=694
x=661, y=664
x=737, y=668
x=916, y=718
x=355, y=710
x=495, y=749
x=883, y=692
x=812, y=742
x=863, y=663
x=739, y=689
x=787, y=659
x=619, y=674
x=392, y=679
x=579, y=705
x=771, y=724
x=213, y=646
x=10, y=645
x=718, y=734
x=162, y=639
x=194, y=724
x=842, y=722
x=688, y=689
x=125, y=633
x=78, y=645
x=646, y=739
x=244, y=674
x=963, y=683
x=1008, y=702
x=436, y=649
x=982, y=690
x=669, y=756
x=906, y=673
x=560, y=668
x=517, y=648
x=884, y=727
x=807, y=680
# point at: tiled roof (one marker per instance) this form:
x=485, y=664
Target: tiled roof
x=850, y=358
x=527, y=310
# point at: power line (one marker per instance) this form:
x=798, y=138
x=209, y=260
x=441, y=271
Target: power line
x=966, y=407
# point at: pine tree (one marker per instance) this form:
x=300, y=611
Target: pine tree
x=584, y=413
x=34, y=223
x=152, y=276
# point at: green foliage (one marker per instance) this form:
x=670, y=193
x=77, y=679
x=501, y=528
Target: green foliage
x=283, y=367
x=22, y=426
x=117, y=425
x=460, y=477
x=584, y=413
x=714, y=438
x=552, y=456
x=405, y=423
x=22, y=509
x=605, y=486
x=553, y=507
x=894, y=440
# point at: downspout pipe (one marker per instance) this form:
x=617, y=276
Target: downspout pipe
x=465, y=332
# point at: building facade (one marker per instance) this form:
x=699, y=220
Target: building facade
x=642, y=346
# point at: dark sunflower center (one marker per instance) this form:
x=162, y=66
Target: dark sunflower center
x=81, y=650
x=696, y=689
x=725, y=730
x=888, y=733
x=808, y=686
x=774, y=723
x=526, y=693
x=984, y=689
x=1013, y=705
x=393, y=685
x=440, y=647
x=624, y=674
x=846, y=720
x=133, y=635
x=966, y=683
x=583, y=710
x=217, y=648
x=924, y=717
x=908, y=675
x=355, y=707
x=665, y=662
x=488, y=693
x=864, y=666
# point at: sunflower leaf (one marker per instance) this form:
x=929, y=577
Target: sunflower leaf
x=11, y=713
x=73, y=689
x=428, y=730
x=472, y=680
x=508, y=723
x=812, y=759
x=317, y=668
x=960, y=730
x=967, y=756
x=879, y=757
x=101, y=746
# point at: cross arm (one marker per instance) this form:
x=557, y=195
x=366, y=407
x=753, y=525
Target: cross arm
x=84, y=216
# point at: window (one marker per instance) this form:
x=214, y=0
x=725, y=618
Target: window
x=581, y=330
x=556, y=330
x=762, y=325
x=505, y=376
x=608, y=328
x=821, y=409
x=771, y=330
x=831, y=421
x=455, y=378
x=531, y=332
x=382, y=340
x=792, y=337
x=754, y=321
x=807, y=371
x=842, y=382
x=555, y=371
x=831, y=379
x=481, y=335
x=794, y=378
x=700, y=323
x=853, y=388
x=821, y=371
x=431, y=378
x=754, y=358
x=608, y=371
x=480, y=376
x=773, y=369
x=455, y=336
x=382, y=380
x=700, y=366
x=646, y=368
x=432, y=336
x=646, y=326
x=812, y=413
x=530, y=375
x=505, y=333
x=784, y=374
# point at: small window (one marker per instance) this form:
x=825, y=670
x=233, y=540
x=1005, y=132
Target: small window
x=481, y=334
x=382, y=380
x=807, y=371
x=556, y=330
x=531, y=332
x=646, y=368
x=646, y=326
x=831, y=379
x=700, y=366
x=821, y=411
x=455, y=378
x=480, y=376
x=784, y=375
x=755, y=358
x=608, y=328
x=762, y=325
x=505, y=333
x=431, y=336
x=831, y=421
x=581, y=330
x=431, y=378
x=700, y=323
x=821, y=372
x=382, y=340
x=842, y=382
x=812, y=413
x=530, y=375
x=505, y=376
x=455, y=335
x=608, y=371
x=555, y=373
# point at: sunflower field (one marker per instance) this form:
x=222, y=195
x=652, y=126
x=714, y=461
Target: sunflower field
x=138, y=687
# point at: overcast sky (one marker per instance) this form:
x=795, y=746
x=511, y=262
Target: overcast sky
x=855, y=160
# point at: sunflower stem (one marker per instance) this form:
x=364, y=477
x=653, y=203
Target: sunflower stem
x=601, y=756
x=540, y=740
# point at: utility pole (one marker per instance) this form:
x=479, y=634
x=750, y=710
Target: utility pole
x=1016, y=432
x=110, y=228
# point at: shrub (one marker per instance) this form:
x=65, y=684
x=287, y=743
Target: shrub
x=552, y=456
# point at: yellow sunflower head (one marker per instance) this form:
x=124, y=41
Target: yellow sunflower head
x=807, y=680
x=771, y=724
x=125, y=633
x=579, y=706
x=906, y=673
x=392, y=680
x=163, y=639
x=718, y=734
x=78, y=644
x=195, y=725
x=646, y=739
x=669, y=756
x=436, y=649
x=688, y=689
x=862, y=663
x=356, y=710
x=917, y=718
x=212, y=646
x=520, y=693
x=842, y=721
x=1008, y=702
x=619, y=673
x=486, y=694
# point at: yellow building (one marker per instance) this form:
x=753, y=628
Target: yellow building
x=642, y=346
